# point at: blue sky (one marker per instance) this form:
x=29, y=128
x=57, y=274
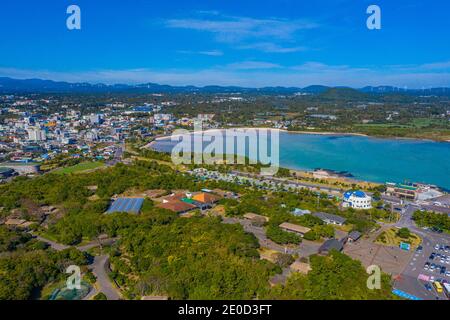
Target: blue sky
x=228, y=42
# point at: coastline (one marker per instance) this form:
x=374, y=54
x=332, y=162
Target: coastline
x=331, y=133
x=263, y=128
x=443, y=183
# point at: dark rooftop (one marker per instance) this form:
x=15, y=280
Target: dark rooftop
x=330, y=244
x=331, y=217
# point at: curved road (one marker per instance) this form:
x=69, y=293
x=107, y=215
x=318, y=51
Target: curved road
x=100, y=267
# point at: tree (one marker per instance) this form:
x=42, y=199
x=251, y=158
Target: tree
x=280, y=236
x=100, y=296
x=333, y=277
x=404, y=233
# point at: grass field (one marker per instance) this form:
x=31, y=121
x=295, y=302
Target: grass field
x=79, y=167
x=390, y=238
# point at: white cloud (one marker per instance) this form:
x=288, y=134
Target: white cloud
x=252, y=65
x=213, y=53
x=254, y=74
x=273, y=48
x=229, y=29
x=245, y=32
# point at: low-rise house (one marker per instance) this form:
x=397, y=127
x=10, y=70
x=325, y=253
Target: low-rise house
x=14, y=222
x=177, y=206
x=206, y=198
x=300, y=212
x=353, y=236
x=255, y=217
x=329, y=245
x=330, y=218
x=295, y=228
x=19, y=223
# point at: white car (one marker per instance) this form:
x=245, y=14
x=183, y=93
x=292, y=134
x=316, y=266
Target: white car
x=436, y=247
x=447, y=273
x=432, y=279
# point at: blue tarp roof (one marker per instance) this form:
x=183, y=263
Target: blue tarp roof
x=405, y=295
x=132, y=205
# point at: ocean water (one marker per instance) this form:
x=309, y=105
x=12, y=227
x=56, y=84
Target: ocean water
x=366, y=158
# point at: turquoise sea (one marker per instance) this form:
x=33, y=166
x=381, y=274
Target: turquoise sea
x=366, y=158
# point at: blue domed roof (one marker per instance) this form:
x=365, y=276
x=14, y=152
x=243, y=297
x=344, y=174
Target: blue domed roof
x=355, y=193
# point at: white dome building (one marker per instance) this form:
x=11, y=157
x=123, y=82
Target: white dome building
x=357, y=200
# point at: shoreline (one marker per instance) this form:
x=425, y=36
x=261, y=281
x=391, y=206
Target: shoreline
x=167, y=138
x=307, y=132
x=262, y=128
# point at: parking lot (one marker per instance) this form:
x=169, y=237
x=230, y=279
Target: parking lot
x=391, y=260
x=431, y=262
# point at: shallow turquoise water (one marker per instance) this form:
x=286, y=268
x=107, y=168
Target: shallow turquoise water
x=366, y=158
x=372, y=159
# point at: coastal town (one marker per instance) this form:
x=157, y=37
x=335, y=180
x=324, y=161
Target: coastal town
x=224, y=159
x=295, y=215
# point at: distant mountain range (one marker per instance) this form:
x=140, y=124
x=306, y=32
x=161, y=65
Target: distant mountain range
x=9, y=85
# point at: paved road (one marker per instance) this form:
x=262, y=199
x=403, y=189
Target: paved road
x=91, y=294
x=94, y=244
x=311, y=186
x=408, y=279
x=59, y=247
x=406, y=221
x=258, y=232
x=305, y=249
x=55, y=245
x=118, y=154
x=100, y=268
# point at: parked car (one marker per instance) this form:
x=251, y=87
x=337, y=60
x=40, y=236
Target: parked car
x=428, y=286
x=436, y=247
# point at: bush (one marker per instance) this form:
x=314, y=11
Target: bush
x=279, y=236
x=100, y=296
x=404, y=233
x=284, y=260
x=311, y=236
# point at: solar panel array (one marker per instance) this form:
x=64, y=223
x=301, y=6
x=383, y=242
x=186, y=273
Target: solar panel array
x=131, y=205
